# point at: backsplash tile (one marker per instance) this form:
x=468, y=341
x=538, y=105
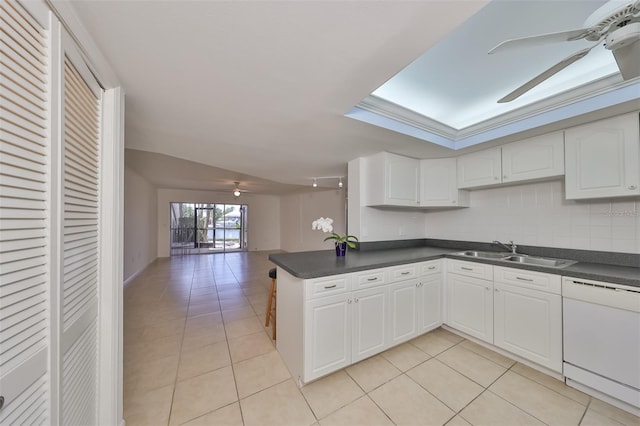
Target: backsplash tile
x=537, y=214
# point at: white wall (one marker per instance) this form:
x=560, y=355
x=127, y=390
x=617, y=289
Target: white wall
x=537, y=214
x=379, y=224
x=298, y=211
x=140, y=223
x=263, y=216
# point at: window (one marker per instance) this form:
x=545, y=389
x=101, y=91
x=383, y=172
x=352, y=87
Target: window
x=207, y=228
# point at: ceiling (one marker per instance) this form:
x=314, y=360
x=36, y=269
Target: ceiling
x=257, y=91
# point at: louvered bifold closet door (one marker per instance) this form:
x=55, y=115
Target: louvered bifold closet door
x=24, y=147
x=79, y=301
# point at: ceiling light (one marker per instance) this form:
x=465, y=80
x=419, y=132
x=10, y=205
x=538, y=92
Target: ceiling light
x=340, y=183
x=236, y=191
x=315, y=183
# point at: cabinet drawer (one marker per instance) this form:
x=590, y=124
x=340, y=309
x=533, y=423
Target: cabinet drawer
x=402, y=272
x=369, y=278
x=326, y=286
x=430, y=267
x=528, y=279
x=470, y=269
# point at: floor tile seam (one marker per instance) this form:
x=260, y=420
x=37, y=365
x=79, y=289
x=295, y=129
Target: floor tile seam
x=212, y=411
x=551, y=389
x=337, y=409
x=518, y=407
x=175, y=382
x=438, y=399
x=269, y=387
x=482, y=356
x=475, y=381
x=233, y=372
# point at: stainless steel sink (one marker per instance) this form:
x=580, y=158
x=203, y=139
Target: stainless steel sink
x=483, y=254
x=523, y=259
x=540, y=261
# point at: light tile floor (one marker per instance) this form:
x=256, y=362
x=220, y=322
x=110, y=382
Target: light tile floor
x=197, y=353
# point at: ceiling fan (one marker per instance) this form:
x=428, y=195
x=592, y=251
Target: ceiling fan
x=237, y=191
x=617, y=22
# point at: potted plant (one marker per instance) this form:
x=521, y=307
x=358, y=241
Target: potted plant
x=341, y=241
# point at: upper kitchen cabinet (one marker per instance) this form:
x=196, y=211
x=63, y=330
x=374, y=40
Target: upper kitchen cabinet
x=603, y=158
x=392, y=180
x=439, y=184
x=537, y=158
x=482, y=168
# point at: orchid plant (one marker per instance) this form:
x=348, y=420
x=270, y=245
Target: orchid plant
x=326, y=225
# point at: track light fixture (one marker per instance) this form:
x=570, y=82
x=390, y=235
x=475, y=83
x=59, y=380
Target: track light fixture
x=315, y=180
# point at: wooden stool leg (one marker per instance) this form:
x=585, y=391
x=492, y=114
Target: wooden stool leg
x=275, y=315
x=271, y=291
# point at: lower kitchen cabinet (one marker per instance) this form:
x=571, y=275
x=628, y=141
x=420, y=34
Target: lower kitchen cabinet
x=470, y=306
x=325, y=324
x=327, y=330
x=369, y=323
x=430, y=302
x=403, y=297
x=529, y=323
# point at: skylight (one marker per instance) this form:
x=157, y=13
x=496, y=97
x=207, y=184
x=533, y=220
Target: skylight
x=449, y=94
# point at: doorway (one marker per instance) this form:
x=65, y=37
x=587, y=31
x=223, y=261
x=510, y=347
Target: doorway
x=198, y=228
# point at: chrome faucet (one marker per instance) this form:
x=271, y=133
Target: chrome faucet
x=511, y=246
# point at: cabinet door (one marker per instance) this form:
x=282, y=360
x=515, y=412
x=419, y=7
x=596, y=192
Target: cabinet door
x=603, y=158
x=401, y=180
x=529, y=323
x=481, y=168
x=470, y=306
x=370, y=323
x=327, y=343
x=430, y=303
x=536, y=158
x=403, y=302
x=439, y=184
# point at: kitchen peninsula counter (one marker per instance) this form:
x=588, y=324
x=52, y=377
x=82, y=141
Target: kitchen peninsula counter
x=314, y=264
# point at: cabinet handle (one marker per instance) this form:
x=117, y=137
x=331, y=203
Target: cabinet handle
x=349, y=301
x=496, y=177
x=1, y=402
x=487, y=288
x=505, y=177
x=524, y=279
x=496, y=290
x=632, y=186
x=330, y=286
x=466, y=269
x=356, y=300
x=431, y=268
x=372, y=279
x=405, y=273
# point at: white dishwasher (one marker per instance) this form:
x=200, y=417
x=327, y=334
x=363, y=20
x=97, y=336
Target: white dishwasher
x=602, y=337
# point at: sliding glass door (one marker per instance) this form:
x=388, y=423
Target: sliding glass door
x=207, y=228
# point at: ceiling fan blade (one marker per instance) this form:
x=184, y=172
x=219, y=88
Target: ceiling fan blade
x=545, y=75
x=518, y=43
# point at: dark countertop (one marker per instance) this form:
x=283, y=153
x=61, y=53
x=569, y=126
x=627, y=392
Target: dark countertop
x=314, y=264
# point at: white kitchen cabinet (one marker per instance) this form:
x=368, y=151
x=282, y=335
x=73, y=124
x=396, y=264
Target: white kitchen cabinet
x=403, y=303
x=392, y=180
x=532, y=159
x=439, y=184
x=603, y=158
x=470, y=305
x=430, y=303
x=370, y=323
x=478, y=169
x=529, y=323
x=327, y=331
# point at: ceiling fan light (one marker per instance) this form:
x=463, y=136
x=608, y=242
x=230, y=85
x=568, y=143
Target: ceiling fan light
x=236, y=192
x=315, y=183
